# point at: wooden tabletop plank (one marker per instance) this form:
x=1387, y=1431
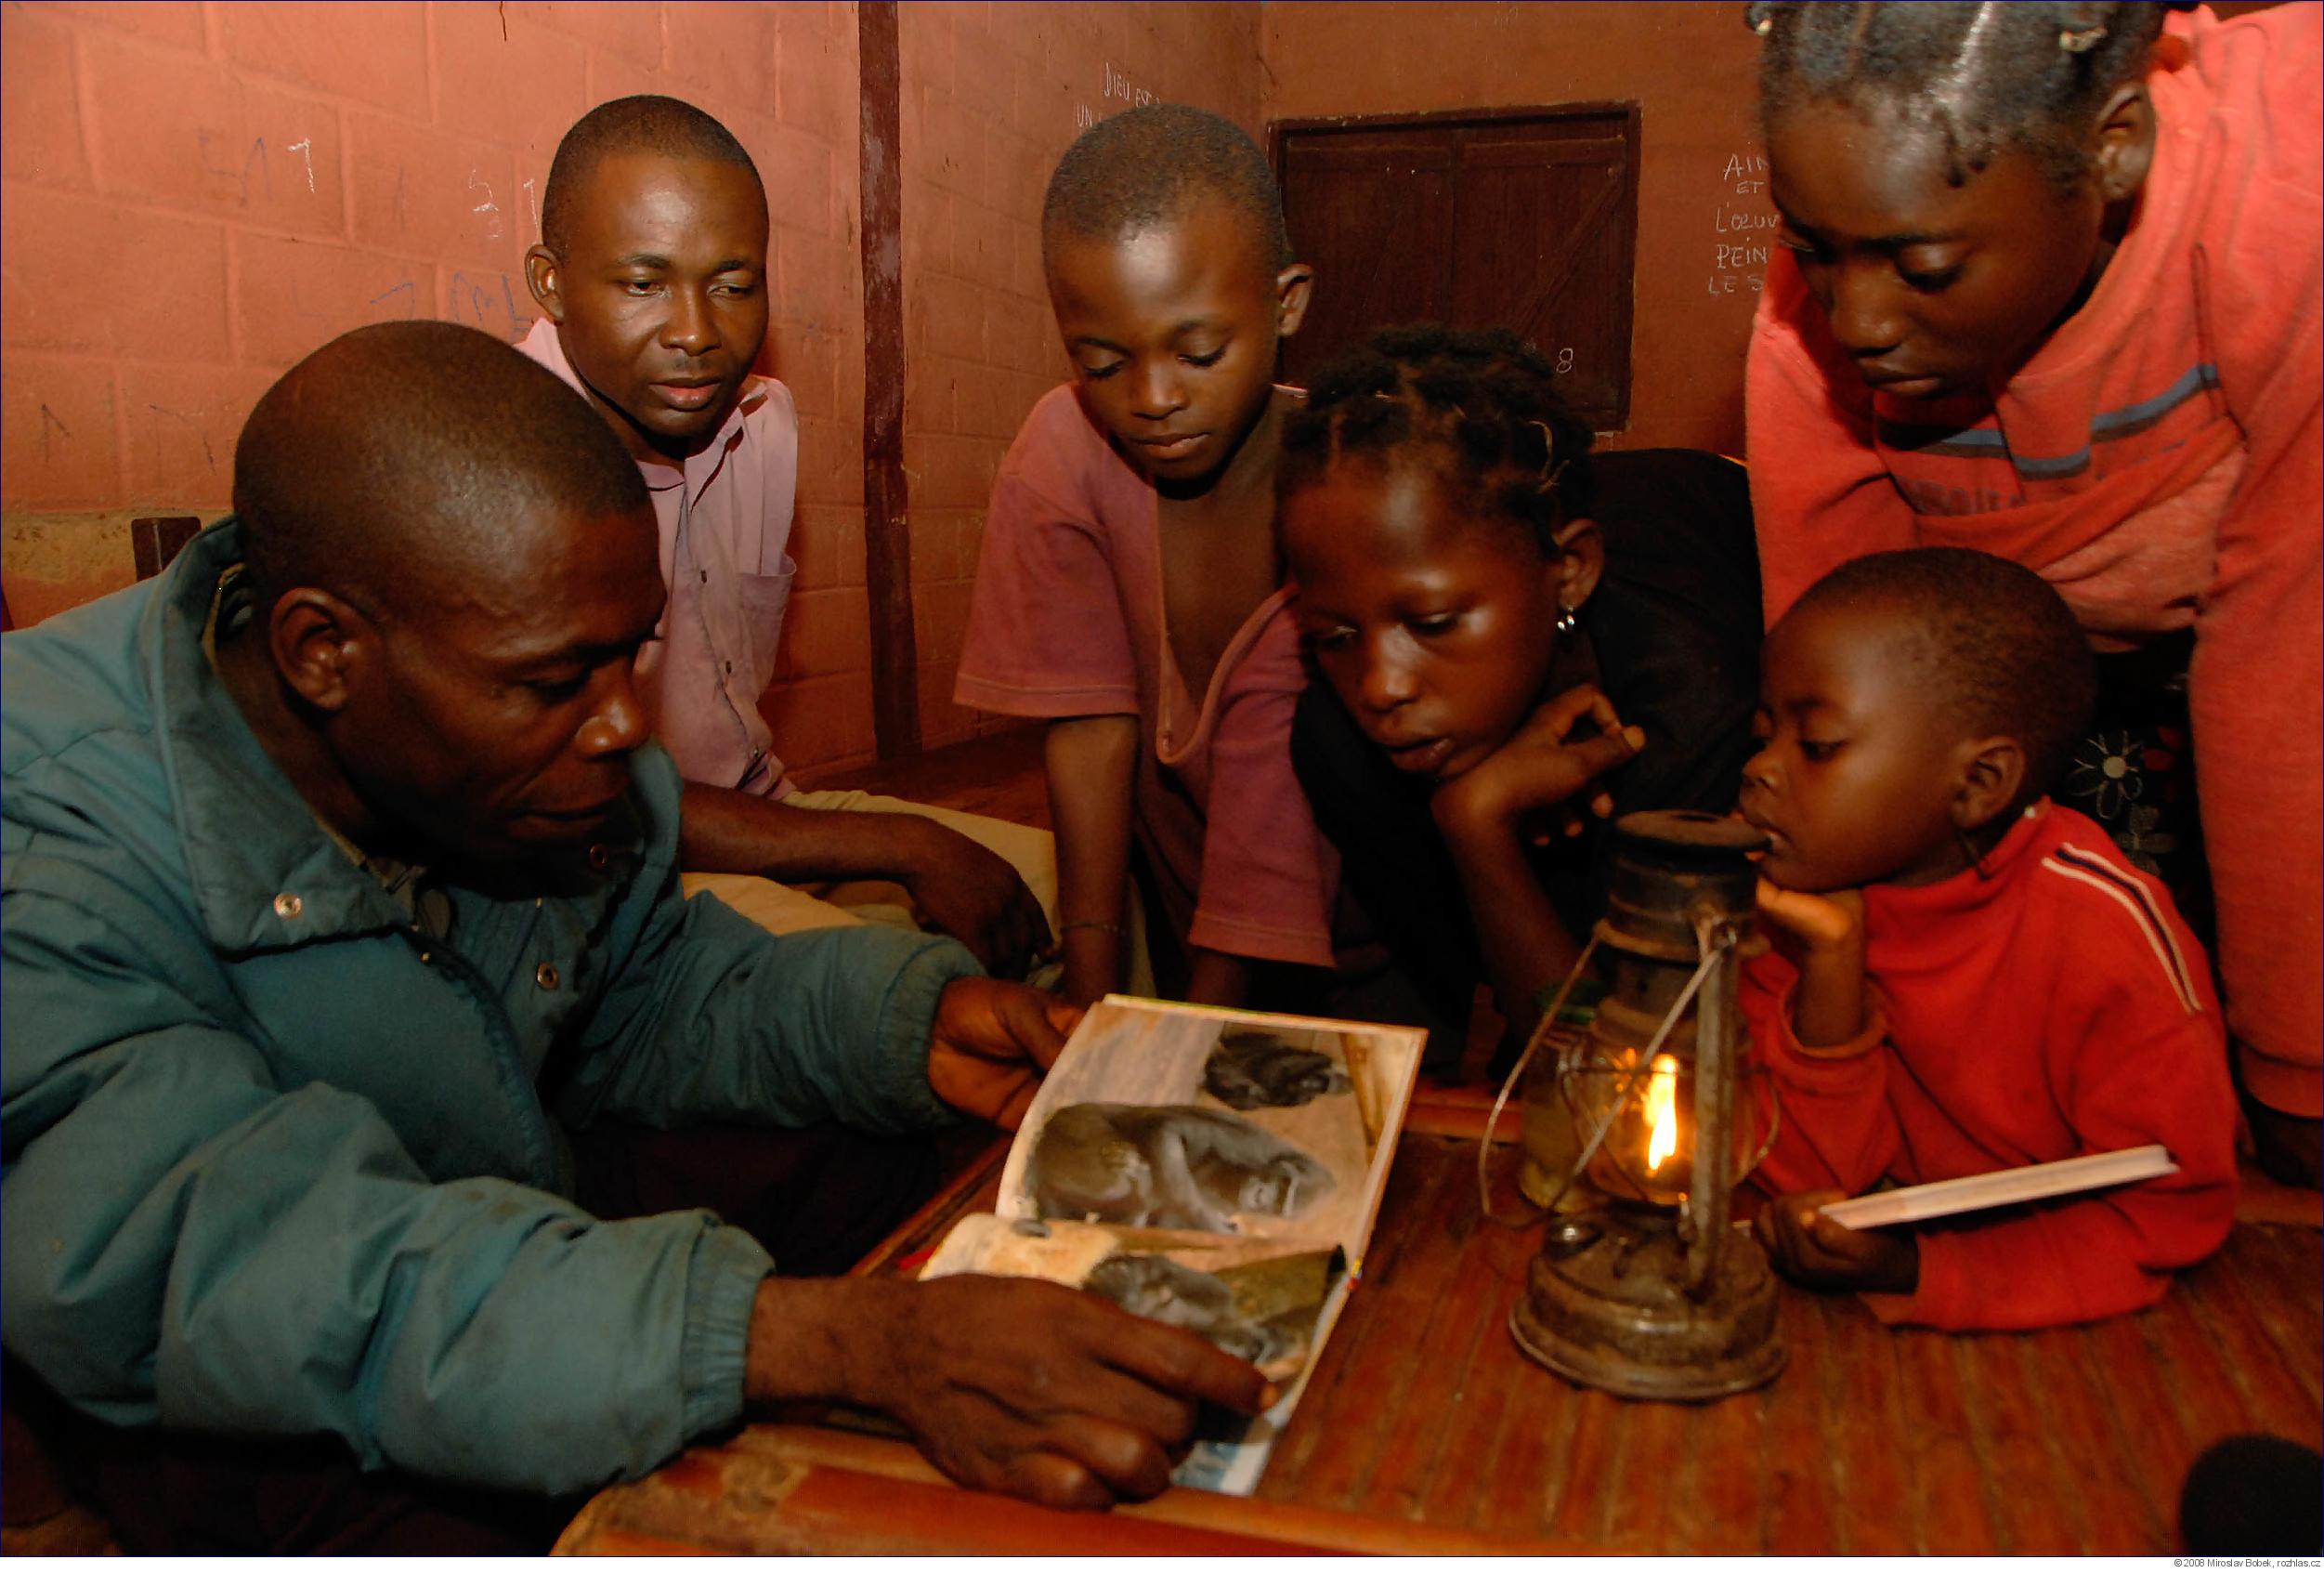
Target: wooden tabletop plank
x=1472, y=1308
x=2273, y=1397
x=2037, y=1510
x=1417, y=1174
x=1644, y=1460
x=1402, y=1297
x=2200, y=1382
x=1726, y=1486
x=1584, y=1504
x=2286, y=1263
x=2280, y=1270
x=2153, y=1428
x=1496, y=1390
x=1876, y=1498
x=1956, y=1495
x=1530, y=1431
x=1799, y=1466
x=756, y=1493
x=2092, y=1456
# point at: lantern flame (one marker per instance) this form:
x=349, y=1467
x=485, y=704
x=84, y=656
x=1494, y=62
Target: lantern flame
x=1662, y=1109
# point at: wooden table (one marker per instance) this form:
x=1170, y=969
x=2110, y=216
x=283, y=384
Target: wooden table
x=1424, y=1429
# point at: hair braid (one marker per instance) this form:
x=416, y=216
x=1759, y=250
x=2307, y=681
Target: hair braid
x=1478, y=407
x=2030, y=75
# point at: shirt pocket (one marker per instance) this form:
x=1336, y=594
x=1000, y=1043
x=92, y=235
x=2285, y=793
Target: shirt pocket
x=762, y=598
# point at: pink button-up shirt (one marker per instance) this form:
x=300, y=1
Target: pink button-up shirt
x=726, y=519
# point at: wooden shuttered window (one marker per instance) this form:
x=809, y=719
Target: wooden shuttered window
x=1522, y=218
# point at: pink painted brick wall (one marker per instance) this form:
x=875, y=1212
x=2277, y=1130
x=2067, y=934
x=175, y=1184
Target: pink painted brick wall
x=195, y=195
x=993, y=93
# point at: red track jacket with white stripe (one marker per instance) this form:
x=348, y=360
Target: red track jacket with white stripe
x=2046, y=1005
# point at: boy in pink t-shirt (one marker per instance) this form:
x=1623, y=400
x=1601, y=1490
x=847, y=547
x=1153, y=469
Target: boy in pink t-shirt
x=1128, y=591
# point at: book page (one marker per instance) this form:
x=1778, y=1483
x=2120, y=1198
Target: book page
x=1258, y=1300
x=1212, y=1122
x=1214, y=1170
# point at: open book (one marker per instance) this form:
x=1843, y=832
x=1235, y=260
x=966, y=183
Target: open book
x=1216, y=1169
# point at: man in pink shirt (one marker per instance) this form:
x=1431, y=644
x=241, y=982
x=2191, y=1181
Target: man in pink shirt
x=651, y=278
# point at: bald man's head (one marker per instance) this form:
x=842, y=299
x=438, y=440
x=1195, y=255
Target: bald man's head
x=453, y=567
x=399, y=453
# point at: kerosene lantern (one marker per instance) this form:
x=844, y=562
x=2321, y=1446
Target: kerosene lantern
x=1653, y=1294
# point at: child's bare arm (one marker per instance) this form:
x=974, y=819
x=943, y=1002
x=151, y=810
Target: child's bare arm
x=1526, y=946
x=966, y=891
x=1482, y=814
x=1091, y=763
x=1215, y=977
x=1828, y=933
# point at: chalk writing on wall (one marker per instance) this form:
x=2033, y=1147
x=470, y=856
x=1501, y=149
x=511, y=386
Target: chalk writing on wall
x=487, y=208
x=411, y=298
x=1742, y=227
x=191, y=421
x=487, y=301
x=1117, y=85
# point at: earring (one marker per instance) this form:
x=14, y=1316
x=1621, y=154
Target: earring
x=1567, y=623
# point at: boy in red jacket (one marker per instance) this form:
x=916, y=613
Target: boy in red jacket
x=1967, y=976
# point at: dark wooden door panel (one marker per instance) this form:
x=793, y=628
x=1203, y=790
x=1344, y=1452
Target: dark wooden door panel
x=1378, y=208
x=1526, y=221
x=1540, y=256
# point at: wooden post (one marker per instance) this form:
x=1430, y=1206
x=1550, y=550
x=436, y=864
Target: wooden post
x=887, y=530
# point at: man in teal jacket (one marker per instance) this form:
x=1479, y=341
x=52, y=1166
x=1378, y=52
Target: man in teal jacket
x=340, y=883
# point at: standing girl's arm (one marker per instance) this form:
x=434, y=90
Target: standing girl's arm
x=1092, y=764
x=1820, y=491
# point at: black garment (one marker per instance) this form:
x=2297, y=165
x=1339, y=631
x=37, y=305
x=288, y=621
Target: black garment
x=2135, y=773
x=818, y=1200
x=1671, y=634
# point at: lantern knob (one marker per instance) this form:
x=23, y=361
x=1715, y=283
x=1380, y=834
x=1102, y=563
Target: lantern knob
x=1689, y=834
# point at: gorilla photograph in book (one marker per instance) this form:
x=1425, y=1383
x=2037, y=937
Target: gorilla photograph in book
x=1215, y=1170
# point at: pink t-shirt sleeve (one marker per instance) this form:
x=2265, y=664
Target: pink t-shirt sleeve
x=1046, y=632
x=1268, y=874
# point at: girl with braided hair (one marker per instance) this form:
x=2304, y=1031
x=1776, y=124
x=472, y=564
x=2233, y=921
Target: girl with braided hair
x=2051, y=290
x=1517, y=640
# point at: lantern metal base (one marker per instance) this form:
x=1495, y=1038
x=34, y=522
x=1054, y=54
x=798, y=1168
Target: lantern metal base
x=1605, y=1307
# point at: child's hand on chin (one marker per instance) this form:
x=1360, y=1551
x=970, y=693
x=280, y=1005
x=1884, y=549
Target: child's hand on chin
x=1542, y=767
x=1824, y=935
x=1812, y=1251
x=1830, y=921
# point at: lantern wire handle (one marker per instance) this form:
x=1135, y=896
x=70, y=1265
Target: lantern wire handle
x=1542, y=1029
x=1711, y=954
